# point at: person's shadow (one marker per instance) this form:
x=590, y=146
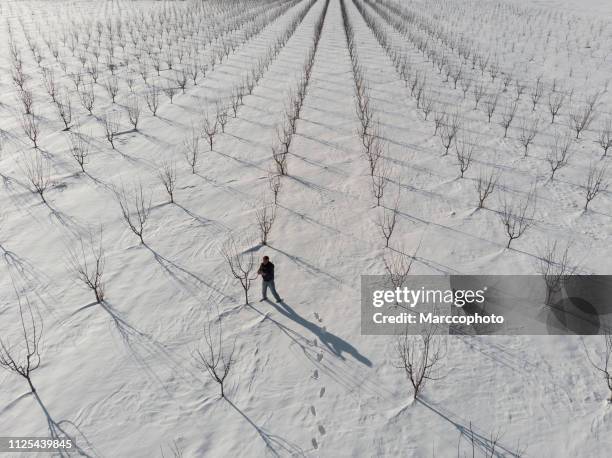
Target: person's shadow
x=335, y=344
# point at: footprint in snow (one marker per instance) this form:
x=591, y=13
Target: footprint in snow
x=315, y=374
x=322, y=392
x=322, y=430
x=313, y=411
x=314, y=443
x=316, y=315
x=319, y=357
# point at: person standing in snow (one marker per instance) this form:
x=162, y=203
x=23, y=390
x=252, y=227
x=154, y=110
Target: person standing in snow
x=266, y=270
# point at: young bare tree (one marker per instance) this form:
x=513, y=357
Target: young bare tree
x=490, y=103
x=23, y=359
x=517, y=216
x=536, y=92
x=241, y=261
x=112, y=87
x=398, y=265
x=528, y=132
x=31, y=127
x=265, y=216
x=170, y=91
x=555, y=267
x=581, y=118
x=558, y=153
x=555, y=103
x=448, y=132
x=38, y=173
x=167, y=175
x=420, y=356
x=595, y=184
x=485, y=185
x=192, y=148
x=111, y=126
x=87, y=96
x=79, y=149
x=222, y=116
x=216, y=358
x=275, y=184
x=152, y=99
x=133, y=110
x=210, y=127
x=86, y=262
x=380, y=178
x=135, y=208
x=604, y=138
x=507, y=116
x=181, y=79
x=604, y=365
x=64, y=108
x=464, y=148
x=281, y=150
x=386, y=220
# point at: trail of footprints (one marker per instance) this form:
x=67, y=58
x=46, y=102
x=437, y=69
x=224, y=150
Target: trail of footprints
x=320, y=432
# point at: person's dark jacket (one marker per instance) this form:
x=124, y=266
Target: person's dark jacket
x=266, y=271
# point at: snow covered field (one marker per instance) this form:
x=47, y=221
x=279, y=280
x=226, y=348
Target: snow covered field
x=119, y=374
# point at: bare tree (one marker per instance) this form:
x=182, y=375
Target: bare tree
x=170, y=91
x=580, y=119
x=87, y=97
x=464, y=148
x=555, y=267
x=558, y=153
x=420, y=356
x=281, y=150
x=152, y=99
x=507, y=116
x=79, y=149
x=181, y=79
x=380, y=179
x=86, y=261
x=222, y=116
x=216, y=357
x=555, y=103
x=529, y=130
x=517, y=216
x=536, y=92
x=274, y=182
x=604, y=366
x=135, y=208
x=210, y=128
x=485, y=185
x=31, y=127
x=490, y=103
x=241, y=261
x=133, y=111
x=38, y=173
x=112, y=87
x=111, y=126
x=595, y=184
x=167, y=176
x=448, y=132
x=604, y=139
x=23, y=359
x=265, y=216
x=386, y=220
x=192, y=148
x=398, y=265
x=64, y=108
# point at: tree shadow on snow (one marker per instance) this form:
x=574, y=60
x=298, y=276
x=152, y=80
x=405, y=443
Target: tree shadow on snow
x=490, y=446
x=274, y=443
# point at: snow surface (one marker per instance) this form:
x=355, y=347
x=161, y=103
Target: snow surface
x=305, y=381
